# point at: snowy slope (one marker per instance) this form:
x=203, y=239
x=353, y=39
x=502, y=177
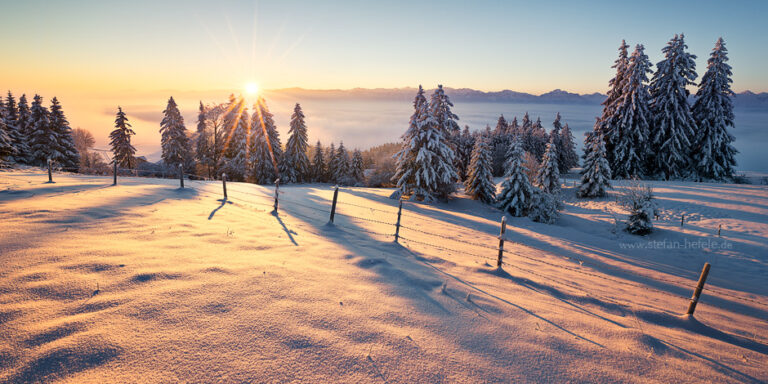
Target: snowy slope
x=144, y=282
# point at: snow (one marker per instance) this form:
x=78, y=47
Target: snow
x=146, y=282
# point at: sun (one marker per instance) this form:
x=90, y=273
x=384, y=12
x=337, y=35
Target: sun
x=251, y=89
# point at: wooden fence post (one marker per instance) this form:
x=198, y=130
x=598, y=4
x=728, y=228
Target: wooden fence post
x=699, y=288
x=719, y=227
x=50, y=174
x=114, y=173
x=333, y=205
x=181, y=176
x=682, y=218
x=224, y=184
x=277, y=191
x=499, y=261
x=397, y=225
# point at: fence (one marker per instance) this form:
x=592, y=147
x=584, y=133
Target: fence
x=493, y=247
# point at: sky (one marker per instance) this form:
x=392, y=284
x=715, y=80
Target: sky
x=95, y=55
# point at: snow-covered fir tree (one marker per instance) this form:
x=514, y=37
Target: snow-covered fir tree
x=513, y=128
x=479, y=184
x=516, y=189
x=548, y=178
x=42, y=139
x=18, y=140
x=24, y=128
x=174, y=140
x=120, y=141
x=341, y=166
x=64, y=153
x=567, y=157
x=202, y=140
x=234, y=159
x=499, y=145
x=631, y=119
x=297, y=169
x=318, y=164
x=266, y=152
x=608, y=118
x=544, y=207
x=7, y=149
x=425, y=163
x=330, y=154
x=596, y=175
x=537, y=139
x=464, y=145
x=357, y=168
x=714, y=155
x=639, y=200
x=673, y=127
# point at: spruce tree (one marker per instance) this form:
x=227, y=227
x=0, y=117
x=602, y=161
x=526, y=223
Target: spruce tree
x=234, y=158
x=538, y=139
x=296, y=160
x=341, y=166
x=516, y=190
x=405, y=158
x=714, y=155
x=18, y=140
x=357, y=168
x=120, y=140
x=567, y=157
x=330, y=170
x=66, y=154
x=7, y=149
x=632, y=118
x=203, y=140
x=318, y=164
x=673, y=126
x=479, y=184
x=513, y=128
x=596, y=175
x=464, y=152
x=499, y=145
x=24, y=128
x=607, y=120
x=42, y=139
x=548, y=178
x=266, y=150
x=174, y=140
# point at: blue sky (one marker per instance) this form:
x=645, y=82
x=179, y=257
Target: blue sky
x=488, y=45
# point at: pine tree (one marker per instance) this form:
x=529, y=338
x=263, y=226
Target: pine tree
x=18, y=141
x=608, y=128
x=516, y=190
x=567, y=157
x=479, y=184
x=513, y=128
x=120, y=140
x=595, y=177
x=234, y=159
x=673, y=127
x=548, y=178
x=266, y=150
x=499, y=145
x=296, y=160
x=174, y=140
x=357, y=168
x=202, y=140
x=42, y=139
x=632, y=118
x=464, y=146
x=318, y=164
x=714, y=156
x=7, y=149
x=341, y=166
x=24, y=128
x=405, y=174
x=64, y=152
x=330, y=154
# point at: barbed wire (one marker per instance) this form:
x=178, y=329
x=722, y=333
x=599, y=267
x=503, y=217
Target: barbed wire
x=449, y=237
x=447, y=249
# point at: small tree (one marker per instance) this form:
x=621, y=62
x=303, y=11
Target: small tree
x=120, y=140
x=318, y=164
x=639, y=200
x=544, y=207
x=479, y=184
x=548, y=178
x=567, y=157
x=357, y=169
x=595, y=177
x=341, y=166
x=516, y=190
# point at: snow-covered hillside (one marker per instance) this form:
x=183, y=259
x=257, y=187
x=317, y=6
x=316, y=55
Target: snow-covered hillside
x=146, y=282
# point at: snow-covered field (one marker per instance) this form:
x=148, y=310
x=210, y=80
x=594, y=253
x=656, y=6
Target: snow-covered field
x=144, y=282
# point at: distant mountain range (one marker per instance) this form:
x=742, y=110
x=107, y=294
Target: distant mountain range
x=745, y=99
